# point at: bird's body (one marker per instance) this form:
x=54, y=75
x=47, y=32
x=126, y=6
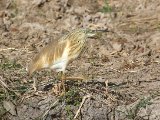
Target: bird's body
x=57, y=54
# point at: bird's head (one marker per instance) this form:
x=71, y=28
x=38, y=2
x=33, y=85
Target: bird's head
x=80, y=35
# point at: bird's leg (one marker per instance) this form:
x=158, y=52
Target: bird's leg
x=63, y=80
x=34, y=85
x=59, y=88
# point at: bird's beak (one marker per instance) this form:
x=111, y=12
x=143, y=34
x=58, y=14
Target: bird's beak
x=105, y=30
x=94, y=33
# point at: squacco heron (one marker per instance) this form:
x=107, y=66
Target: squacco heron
x=59, y=53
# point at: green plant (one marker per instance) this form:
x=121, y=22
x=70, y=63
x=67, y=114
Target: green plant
x=106, y=8
x=132, y=113
x=69, y=112
x=10, y=65
x=72, y=97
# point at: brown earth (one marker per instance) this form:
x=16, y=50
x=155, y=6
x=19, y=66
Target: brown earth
x=127, y=59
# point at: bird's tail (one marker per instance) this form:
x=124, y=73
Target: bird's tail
x=34, y=66
x=30, y=69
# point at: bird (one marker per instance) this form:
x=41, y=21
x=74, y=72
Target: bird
x=60, y=52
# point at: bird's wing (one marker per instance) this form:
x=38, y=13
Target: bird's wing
x=57, y=51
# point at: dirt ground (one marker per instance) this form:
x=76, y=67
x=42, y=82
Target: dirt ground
x=120, y=67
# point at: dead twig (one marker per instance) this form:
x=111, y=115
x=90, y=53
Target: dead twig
x=14, y=49
x=52, y=105
x=83, y=100
x=4, y=85
x=107, y=93
x=106, y=83
x=8, y=49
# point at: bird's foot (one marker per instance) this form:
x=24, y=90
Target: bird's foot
x=58, y=89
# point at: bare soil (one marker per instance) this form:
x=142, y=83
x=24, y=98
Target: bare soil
x=120, y=67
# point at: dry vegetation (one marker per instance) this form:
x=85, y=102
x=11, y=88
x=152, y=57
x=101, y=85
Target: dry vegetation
x=127, y=59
